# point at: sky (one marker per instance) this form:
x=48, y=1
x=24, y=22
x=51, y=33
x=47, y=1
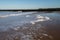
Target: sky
x=29, y=4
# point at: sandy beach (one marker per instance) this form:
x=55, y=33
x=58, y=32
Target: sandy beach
x=30, y=26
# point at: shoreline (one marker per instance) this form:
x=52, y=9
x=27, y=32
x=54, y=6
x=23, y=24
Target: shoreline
x=29, y=10
x=42, y=30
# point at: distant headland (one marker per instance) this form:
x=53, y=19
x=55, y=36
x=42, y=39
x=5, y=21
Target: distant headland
x=26, y=10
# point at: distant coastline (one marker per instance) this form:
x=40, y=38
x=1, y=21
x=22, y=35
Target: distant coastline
x=27, y=10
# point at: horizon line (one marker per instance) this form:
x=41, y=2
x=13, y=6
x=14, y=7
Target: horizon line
x=25, y=9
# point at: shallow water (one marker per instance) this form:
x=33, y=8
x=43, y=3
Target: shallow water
x=14, y=19
x=29, y=26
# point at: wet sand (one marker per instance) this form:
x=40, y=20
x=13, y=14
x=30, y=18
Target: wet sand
x=43, y=30
x=28, y=32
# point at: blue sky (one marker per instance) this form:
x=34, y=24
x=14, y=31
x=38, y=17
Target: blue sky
x=29, y=4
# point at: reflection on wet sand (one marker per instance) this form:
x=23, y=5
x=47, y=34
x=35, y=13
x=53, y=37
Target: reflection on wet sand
x=28, y=32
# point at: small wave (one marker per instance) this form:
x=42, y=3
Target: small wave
x=40, y=18
x=25, y=13
x=9, y=15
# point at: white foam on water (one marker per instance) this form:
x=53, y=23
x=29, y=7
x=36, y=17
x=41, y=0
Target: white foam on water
x=16, y=28
x=27, y=15
x=47, y=18
x=32, y=22
x=40, y=18
x=18, y=14
x=3, y=16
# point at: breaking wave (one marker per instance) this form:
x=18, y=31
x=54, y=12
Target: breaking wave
x=18, y=14
x=40, y=18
